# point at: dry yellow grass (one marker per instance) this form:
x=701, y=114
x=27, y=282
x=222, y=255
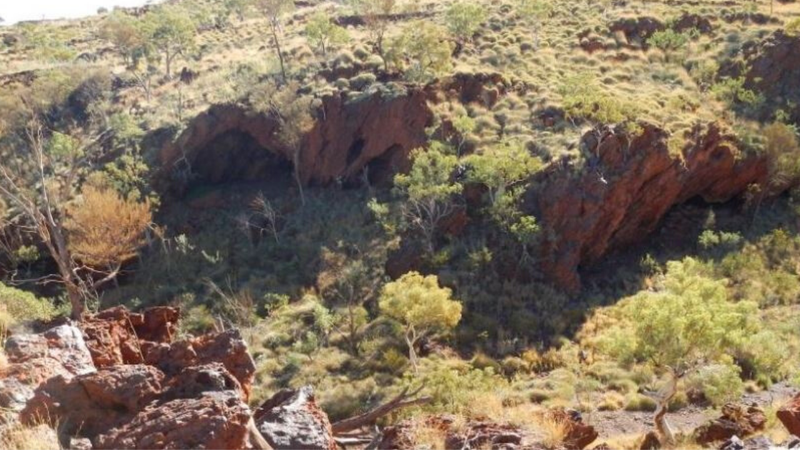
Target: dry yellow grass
x=22, y=437
x=553, y=430
x=429, y=437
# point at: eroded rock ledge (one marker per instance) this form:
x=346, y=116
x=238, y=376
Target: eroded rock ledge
x=626, y=188
x=377, y=129
x=123, y=380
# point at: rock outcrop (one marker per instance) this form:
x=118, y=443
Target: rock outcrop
x=577, y=434
x=377, y=130
x=736, y=420
x=292, y=420
x=35, y=358
x=214, y=420
x=770, y=67
x=121, y=380
x=789, y=415
x=628, y=186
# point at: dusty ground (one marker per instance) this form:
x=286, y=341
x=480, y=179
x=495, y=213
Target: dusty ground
x=615, y=423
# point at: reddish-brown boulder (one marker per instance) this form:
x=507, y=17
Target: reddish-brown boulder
x=484, y=434
x=485, y=88
x=196, y=380
x=215, y=420
x=629, y=184
x=227, y=348
x=592, y=43
x=578, y=434
x=93, y=403
x=35, y=358
x=114, y=336
x=292, y=420
x=637, y=30
x=111, y=338
x=157, y=324
x=688, y=21
x=736, y=420
x=789, y=415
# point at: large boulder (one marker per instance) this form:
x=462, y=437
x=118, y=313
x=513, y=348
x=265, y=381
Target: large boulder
x=148, y=391
x=578, y=434
x=637, y=30
x=94, y=403
x=35, y=358
x=215, y=420
x=227, y=348
x=291, y=420
x=196, y=380
x=115, y=336
x=736, y=420
x=789, y=415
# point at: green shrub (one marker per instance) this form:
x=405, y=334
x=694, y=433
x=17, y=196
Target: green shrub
x=464, y=19
x=793, y=27
x=454, y=385
x=483, y=361
x=374, y=62
x=732, y=90
x=583, y=98
x=704, y=73
x=539, y=395
x=347, y=399
x=639, y=402
x=344, y=58
x=361, y=53
x=668, y=40
x=197, y=320
x=720, y=383
x=393, y=360
x=23, y=306
x=363, y=81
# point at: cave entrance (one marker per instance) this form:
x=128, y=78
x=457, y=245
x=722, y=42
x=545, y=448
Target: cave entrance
x=382, y=169
x=235, y=157
x=675, y=237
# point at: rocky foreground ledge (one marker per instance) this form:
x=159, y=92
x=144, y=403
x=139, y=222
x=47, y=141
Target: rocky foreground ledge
x=122, y=380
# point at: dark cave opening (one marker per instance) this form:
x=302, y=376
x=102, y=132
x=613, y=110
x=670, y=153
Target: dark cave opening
x=381, y=170
x=235, y=157
x=677, y=236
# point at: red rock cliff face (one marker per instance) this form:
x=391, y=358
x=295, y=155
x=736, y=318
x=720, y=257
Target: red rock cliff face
x=625, y=190
x=379, y=129
x=771, y=67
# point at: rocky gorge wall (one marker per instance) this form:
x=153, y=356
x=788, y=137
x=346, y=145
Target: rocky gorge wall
x=628, y=186
x=378, y=130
